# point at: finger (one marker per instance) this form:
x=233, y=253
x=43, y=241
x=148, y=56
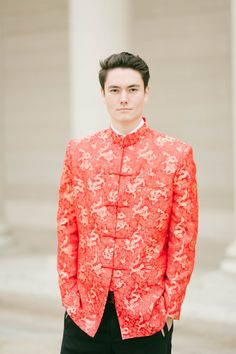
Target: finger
x=163, y=333
x=169, y=323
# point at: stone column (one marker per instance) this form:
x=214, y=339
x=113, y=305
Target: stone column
x=4, y=238
x=229, y=264
x=97, y=29
x=4, y=231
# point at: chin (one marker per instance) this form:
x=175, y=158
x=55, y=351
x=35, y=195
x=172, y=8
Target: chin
x=125, y=117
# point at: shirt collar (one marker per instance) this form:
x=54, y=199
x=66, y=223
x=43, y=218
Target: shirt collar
x=132, y=131
x=132, y=137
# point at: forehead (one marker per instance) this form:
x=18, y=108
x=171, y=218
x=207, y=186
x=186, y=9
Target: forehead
x=123, y=77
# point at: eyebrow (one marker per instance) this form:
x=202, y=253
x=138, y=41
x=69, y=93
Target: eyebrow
x=115, y=86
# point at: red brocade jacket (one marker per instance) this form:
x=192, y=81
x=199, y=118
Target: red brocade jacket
x=127, y=221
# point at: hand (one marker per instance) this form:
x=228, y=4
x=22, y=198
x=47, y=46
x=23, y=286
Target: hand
x=169, y=322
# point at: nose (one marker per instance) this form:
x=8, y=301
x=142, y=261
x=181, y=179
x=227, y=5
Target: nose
x=123, y=97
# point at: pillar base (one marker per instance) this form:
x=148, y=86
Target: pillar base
x=229, y=265
x=5, y=238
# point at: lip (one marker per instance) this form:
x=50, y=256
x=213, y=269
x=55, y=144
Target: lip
x=124, y=109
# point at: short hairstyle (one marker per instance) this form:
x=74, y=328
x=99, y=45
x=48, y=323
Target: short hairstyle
x=123, y=60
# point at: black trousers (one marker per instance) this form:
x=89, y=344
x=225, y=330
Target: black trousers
x=108, y=338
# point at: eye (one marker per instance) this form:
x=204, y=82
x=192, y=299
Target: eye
x=133, y=89
x=114, y=90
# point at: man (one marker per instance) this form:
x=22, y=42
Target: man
x=127, y=225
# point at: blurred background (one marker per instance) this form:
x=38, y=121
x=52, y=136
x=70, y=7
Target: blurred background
x=49, y=63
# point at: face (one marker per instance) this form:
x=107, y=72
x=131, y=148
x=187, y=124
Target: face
x=124, y=95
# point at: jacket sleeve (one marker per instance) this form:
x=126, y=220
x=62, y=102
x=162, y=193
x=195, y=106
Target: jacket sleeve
x=183, y=229
x=67, y=237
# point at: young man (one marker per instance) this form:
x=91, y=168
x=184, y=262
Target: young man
x=127, y=225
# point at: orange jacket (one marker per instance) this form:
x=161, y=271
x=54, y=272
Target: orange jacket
x=127, y=221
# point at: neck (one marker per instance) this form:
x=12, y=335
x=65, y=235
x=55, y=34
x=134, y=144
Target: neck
x=126, y=127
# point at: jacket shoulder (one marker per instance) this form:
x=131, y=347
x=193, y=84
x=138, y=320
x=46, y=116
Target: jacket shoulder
x=170, y=144
x=85, y=142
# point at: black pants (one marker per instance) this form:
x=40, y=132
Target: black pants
x=108, y=338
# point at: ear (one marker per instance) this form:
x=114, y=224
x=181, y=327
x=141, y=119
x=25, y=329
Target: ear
x=146, y=94
x=102, y=94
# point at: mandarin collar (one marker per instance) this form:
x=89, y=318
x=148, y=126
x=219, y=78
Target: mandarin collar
x=133, y=130
x=130, y=138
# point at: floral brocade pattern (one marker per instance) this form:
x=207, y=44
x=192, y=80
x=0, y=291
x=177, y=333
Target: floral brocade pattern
x=127, y=221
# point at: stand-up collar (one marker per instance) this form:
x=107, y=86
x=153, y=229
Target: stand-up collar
x=130, y=138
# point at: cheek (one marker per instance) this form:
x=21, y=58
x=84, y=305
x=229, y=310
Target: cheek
x=111, y=104
x=139, y=100
x=115, y=103
x=139, y=103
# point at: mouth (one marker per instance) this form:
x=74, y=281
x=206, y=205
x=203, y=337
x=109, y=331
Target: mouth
x=124, y=109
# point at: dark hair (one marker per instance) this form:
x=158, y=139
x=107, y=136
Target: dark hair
x=123, y=60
